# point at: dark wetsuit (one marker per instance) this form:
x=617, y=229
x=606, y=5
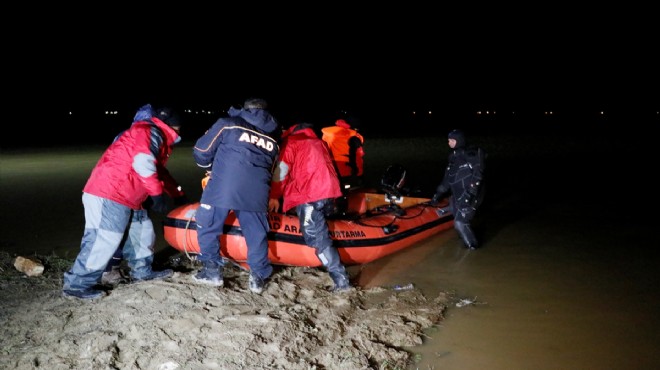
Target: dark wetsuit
x=463, y=178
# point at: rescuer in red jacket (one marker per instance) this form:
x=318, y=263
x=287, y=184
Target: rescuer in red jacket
x=305, y=177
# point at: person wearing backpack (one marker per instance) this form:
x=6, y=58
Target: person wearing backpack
x=463, y=179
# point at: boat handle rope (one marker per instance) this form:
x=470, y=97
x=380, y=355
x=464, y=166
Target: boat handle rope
x=385, y=227
x=185, y=238
x=395, y=217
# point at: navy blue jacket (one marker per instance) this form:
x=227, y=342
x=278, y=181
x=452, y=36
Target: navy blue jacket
x=241, y=151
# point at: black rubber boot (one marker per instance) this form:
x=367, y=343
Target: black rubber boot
x=466, y=233
x=341, y=281
x=332, y=262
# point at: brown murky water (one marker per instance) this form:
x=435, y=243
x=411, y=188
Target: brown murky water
x=566, y=278
x=545, y=296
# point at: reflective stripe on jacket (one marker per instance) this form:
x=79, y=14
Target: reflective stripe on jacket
x=240, y=152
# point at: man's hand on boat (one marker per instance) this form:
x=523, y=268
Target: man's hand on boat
x=273, y=205
x=436, y=199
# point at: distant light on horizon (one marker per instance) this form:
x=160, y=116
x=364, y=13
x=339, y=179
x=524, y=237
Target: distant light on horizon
x=201, y=111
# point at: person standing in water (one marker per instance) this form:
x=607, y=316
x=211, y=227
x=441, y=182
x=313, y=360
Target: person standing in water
x=463, y=180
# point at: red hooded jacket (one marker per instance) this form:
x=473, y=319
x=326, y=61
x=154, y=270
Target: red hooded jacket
x=133, y=166
x=305, y=172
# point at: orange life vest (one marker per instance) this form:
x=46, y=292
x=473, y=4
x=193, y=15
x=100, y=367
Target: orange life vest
x=337, y=138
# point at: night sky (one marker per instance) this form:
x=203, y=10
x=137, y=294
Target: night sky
x=380, y=74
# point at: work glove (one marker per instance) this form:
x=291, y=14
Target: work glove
x=159, y=204
x=440, y=192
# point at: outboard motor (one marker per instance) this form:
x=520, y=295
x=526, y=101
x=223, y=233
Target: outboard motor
x=392, y=184
x=393, y=180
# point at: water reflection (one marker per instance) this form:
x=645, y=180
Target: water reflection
x=553, y=289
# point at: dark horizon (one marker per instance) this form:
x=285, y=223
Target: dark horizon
x=573, y=65
x=88, y=124
x=546, y=101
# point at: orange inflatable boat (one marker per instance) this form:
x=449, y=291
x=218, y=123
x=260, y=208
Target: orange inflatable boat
x=375, y=225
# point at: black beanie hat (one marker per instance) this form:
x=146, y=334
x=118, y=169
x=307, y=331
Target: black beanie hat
x=169, y=116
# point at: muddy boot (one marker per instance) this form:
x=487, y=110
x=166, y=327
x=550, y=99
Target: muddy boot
x=210, y=274
x=341, y=281
x=82, y=293
x=256, y=283
x=154, y=275
x=330, y=259
x=113, y=277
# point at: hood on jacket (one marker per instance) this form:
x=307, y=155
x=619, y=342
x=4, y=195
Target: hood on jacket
x=255, y=103
x=459, y=136
x=342, y=123
x=257, y=117
x=300, y=128
x=144, y=113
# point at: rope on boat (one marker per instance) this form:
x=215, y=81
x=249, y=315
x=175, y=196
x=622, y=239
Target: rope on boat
x=388, y=209
x=383, y=210
x=185, y=238
x=192, y=258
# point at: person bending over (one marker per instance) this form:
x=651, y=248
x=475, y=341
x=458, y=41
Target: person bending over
x=306, y=178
